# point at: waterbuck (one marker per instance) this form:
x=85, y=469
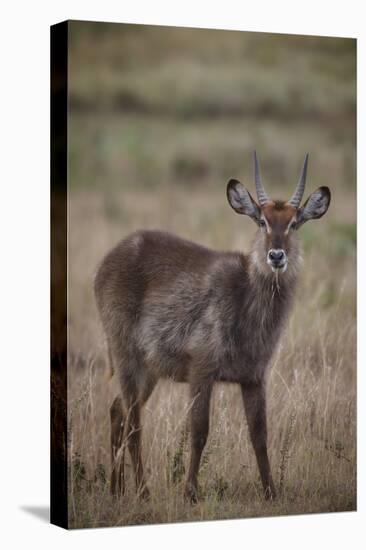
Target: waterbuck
x=171, y=308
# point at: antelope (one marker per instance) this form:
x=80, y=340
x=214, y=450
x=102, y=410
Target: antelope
x=171, y=308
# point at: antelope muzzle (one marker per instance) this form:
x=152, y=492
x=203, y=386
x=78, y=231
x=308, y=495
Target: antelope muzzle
x=277, y=259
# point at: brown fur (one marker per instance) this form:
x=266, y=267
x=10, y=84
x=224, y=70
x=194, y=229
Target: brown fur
x=174, y=309
x=117, y=425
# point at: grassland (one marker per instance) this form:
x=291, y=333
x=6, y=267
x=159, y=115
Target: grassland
x=159, y=121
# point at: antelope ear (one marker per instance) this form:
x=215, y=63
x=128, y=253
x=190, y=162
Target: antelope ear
x=241, y=200
x=315, y=207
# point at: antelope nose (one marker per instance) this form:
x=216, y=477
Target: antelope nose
x=276, y=255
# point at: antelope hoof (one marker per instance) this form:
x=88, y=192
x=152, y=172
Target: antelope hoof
x=191, y=494
x=144, y=493
x=270, y=493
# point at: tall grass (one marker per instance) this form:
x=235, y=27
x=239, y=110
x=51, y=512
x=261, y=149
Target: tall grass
x=312, y=425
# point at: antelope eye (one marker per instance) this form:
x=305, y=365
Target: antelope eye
x=293, y=225
x=262, y=223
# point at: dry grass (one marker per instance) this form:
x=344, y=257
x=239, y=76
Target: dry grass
x=311, y=393
x=131, y=170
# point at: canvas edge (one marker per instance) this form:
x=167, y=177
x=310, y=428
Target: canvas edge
x=58, y=385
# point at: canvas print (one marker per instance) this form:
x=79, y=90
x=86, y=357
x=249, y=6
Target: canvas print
x=203, y=337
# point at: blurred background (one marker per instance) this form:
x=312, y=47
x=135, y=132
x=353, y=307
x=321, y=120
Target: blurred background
x=159, y=119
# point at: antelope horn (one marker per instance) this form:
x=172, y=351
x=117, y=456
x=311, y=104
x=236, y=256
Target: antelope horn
x=263, y=198
x=300, y=188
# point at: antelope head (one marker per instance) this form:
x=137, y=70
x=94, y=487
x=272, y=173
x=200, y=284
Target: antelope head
x=276, y=244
